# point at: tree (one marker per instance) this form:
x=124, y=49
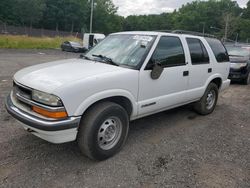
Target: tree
x=75, y=9
x=105, y=18
x=6, y=11
x=74, y=15
x=246, y=13
x=244, y=30
x=28, y=12
x=53, y=14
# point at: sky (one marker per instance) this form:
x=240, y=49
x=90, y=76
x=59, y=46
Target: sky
x=138, y=7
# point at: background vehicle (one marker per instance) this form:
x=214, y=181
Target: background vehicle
x=239, y=64
x=91, y=39
x=70, y=46
x=247, y=47
x=127, y=76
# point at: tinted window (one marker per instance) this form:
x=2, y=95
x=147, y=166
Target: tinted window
x=169, y=52
x=198, y=51
x=219, y=50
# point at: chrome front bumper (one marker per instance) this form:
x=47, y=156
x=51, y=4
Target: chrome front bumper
x=39, y=123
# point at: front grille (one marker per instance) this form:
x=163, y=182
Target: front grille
x=233, y=71
x=22, y=94
x=22, y=91
x=23, y=104
x=18, y=93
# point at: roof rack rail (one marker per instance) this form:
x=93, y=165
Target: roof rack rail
x=189, y=33
x=194, y=33
x=166, y=31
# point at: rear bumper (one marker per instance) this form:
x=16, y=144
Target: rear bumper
x=225, y=84
x=55, y=131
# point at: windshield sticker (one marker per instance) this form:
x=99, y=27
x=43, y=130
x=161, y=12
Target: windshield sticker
x=143, y=38
x=144, y=44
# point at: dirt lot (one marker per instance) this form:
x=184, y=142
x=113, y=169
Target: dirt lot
x=176, y=148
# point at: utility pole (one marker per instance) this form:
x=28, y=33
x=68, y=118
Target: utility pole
x=203, y=31
x=91, y=16
x=236, y=40
x=226, y=27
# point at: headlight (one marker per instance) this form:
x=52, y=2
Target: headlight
x=238, y=65
x=46, y=99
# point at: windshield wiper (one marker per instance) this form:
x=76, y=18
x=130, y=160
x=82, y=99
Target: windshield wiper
x=106, y=59
x=84, y=56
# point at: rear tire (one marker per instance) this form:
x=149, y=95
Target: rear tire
x=207, y=103
x=103, y=130
x=246, y=81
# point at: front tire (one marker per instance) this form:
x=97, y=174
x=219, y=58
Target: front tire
x=246, y=81
x=207, y=103
x=103, y=130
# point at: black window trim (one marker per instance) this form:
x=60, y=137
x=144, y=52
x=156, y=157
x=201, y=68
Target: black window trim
x=226, y=53
x=149, y=66
x=202, y=48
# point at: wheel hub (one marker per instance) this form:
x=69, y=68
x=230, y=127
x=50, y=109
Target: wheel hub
x=210, y=99
x=109, y=133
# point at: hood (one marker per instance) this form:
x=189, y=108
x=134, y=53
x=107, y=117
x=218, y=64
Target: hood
x=239, y=59
x=50, y=76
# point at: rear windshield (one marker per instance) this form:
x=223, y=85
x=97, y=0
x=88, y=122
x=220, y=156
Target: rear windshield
x=219, y=50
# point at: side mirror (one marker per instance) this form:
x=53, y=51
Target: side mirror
x=156, y=71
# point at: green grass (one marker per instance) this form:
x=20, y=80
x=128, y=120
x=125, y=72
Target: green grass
x=25, y=42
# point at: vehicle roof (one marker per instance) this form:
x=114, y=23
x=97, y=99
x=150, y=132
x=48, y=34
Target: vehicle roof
x=99, y=34
x=156, y=33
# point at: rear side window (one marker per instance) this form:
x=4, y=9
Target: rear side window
x=169, y=52
x=218, y=49
x=198, y=51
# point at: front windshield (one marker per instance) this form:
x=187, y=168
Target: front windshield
x=122, y=49
x=237, y=51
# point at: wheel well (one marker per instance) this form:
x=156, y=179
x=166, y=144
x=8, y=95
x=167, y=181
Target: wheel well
x=123, y=101
x=217, y=81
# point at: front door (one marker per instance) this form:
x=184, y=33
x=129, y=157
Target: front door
x=169, y=89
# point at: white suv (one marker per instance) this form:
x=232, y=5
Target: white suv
x=127, y=76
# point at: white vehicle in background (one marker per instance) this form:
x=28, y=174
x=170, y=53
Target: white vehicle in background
x=91, y=39
x=127, y=76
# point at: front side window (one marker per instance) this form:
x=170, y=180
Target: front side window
x=123, y=49
x=169, y=52
x=198, y=51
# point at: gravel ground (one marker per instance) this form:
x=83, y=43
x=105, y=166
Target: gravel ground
x=176, y=148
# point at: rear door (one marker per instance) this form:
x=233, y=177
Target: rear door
x=200, y=67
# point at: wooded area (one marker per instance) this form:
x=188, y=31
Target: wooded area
x=223, y=18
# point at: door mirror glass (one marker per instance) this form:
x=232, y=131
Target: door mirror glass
x=156, y=71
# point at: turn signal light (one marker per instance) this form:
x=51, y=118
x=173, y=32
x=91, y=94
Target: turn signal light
x=49, y=114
